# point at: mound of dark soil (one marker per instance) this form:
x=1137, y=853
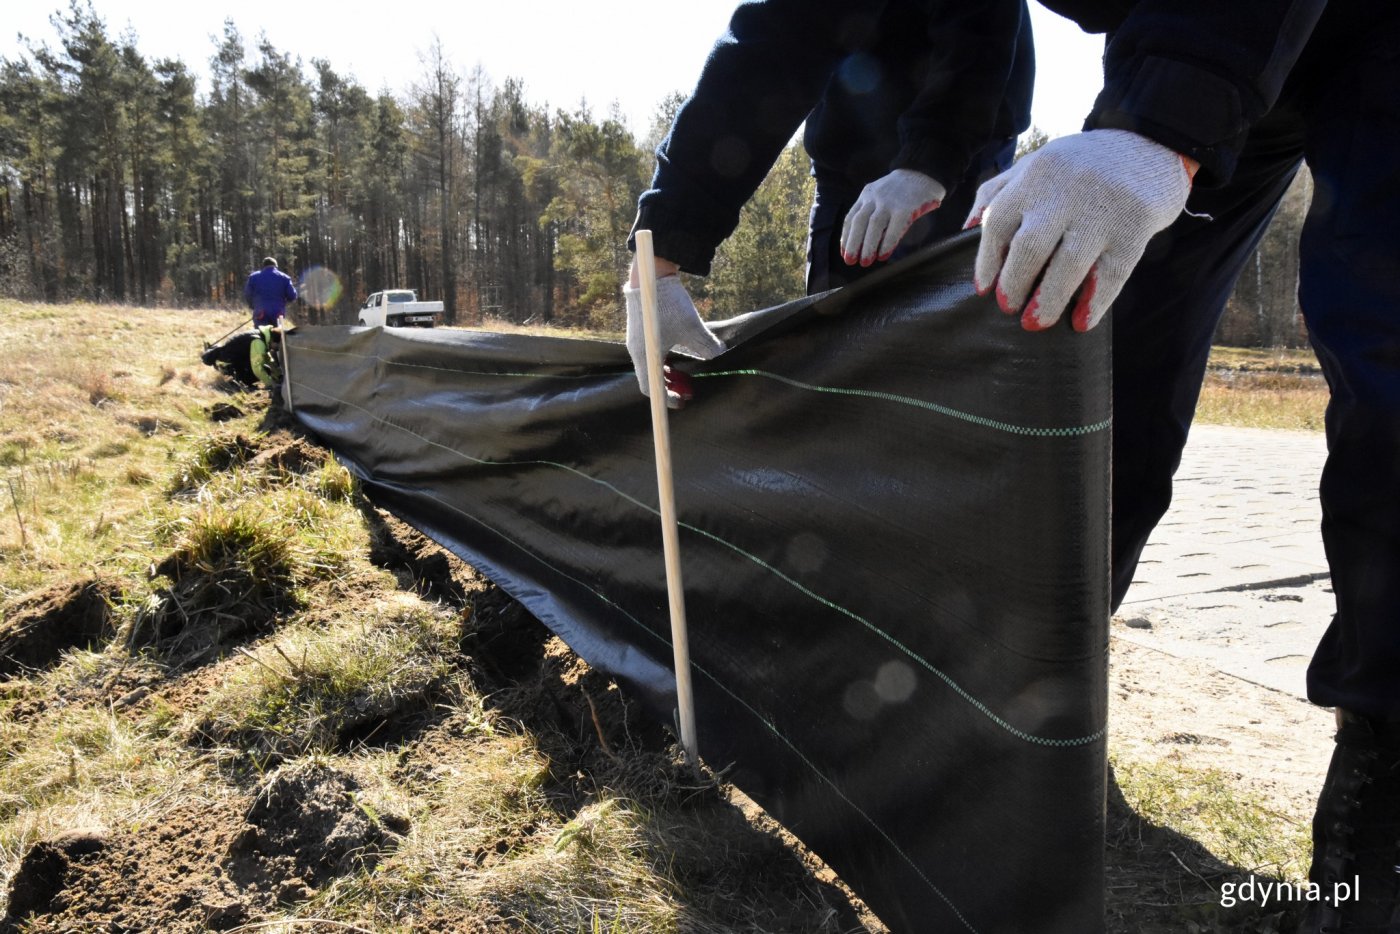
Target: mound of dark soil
x=163, y=876
x=206, y=866
x=45, y=870
x=224, y=411
x=420, y=563
x=39, y=627
x=306, y=823
x=289, y=453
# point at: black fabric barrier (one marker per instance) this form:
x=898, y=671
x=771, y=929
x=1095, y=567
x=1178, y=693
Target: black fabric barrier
x=894, y=509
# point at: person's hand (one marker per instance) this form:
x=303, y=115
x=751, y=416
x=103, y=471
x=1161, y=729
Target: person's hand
x=679, y=329
x=884, y=212
x=1075, y=216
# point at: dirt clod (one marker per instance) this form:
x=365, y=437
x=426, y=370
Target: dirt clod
x=296, y=455
x=224, y=915
x=423, y=565
x=205, y=865
x=44, y=871
x=307, y=822
x=38, y=628
x=223, y=412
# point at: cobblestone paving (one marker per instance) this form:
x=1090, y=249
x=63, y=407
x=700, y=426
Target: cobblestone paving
x=1235, y=574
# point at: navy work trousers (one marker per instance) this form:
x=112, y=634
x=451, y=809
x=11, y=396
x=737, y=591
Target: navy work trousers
x=1340, y=111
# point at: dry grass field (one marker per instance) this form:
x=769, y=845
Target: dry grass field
x=235, y=695
x=1263, y=389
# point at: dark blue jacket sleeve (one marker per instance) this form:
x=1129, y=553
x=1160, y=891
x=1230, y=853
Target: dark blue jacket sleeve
x=770, y=69
x=1194, y=75
x=978, y=87
x=760, y=80
x=248, y=292
x=290, y=293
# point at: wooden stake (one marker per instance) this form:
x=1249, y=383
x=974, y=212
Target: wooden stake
x=670, y=533
x=286, y=365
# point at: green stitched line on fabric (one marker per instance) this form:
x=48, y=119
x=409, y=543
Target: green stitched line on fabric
x=924, y=663
x=772, y=727
x=1069, y=432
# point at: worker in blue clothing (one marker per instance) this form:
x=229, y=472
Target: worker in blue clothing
x=267, y=293
x=908, y=104
x=1206, y=114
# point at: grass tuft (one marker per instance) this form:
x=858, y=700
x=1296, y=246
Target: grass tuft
x=234, y=570
x=334, y=482
x=100, y=390
x=210, y=457
x=1238, y=827
x=310, y=691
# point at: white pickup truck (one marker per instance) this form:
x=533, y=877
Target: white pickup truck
x=397, y=308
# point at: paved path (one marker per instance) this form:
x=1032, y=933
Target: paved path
x=1235, y=574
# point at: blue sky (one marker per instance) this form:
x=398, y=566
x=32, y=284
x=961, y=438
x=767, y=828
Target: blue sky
x=628, y=51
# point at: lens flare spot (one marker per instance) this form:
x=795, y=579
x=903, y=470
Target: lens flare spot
x=859, y=74
x=320, y=288
x=895, y=682
x=861, y=701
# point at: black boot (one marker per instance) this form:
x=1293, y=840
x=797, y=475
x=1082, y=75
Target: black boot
x=1356, y=833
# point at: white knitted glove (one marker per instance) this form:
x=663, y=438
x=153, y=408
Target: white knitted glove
x=884, y=212
x=1076, y=212
x=679, y=328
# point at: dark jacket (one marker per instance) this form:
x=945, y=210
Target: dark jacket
x=267, y=292
x=1195, y=75
x=943, y=82
x=234, y=357
x=929, y=92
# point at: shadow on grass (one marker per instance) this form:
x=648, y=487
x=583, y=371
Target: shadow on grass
x=1160, y=880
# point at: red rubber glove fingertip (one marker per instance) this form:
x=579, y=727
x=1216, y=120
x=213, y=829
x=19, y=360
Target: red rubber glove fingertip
x=1080, y=317
x=1029, y=320
x=1003, y=302
x=678, y=382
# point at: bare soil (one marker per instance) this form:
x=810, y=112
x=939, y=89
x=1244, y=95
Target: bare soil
x=209, y=865
x=36, y=629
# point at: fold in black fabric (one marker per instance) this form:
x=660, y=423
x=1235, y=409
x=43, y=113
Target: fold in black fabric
x=894, y=509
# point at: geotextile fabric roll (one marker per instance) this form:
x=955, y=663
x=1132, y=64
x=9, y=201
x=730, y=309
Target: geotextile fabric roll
x=894, y=537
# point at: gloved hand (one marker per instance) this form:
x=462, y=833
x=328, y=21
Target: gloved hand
x=884, y=212
x=1075, y=214
x=679, y=328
